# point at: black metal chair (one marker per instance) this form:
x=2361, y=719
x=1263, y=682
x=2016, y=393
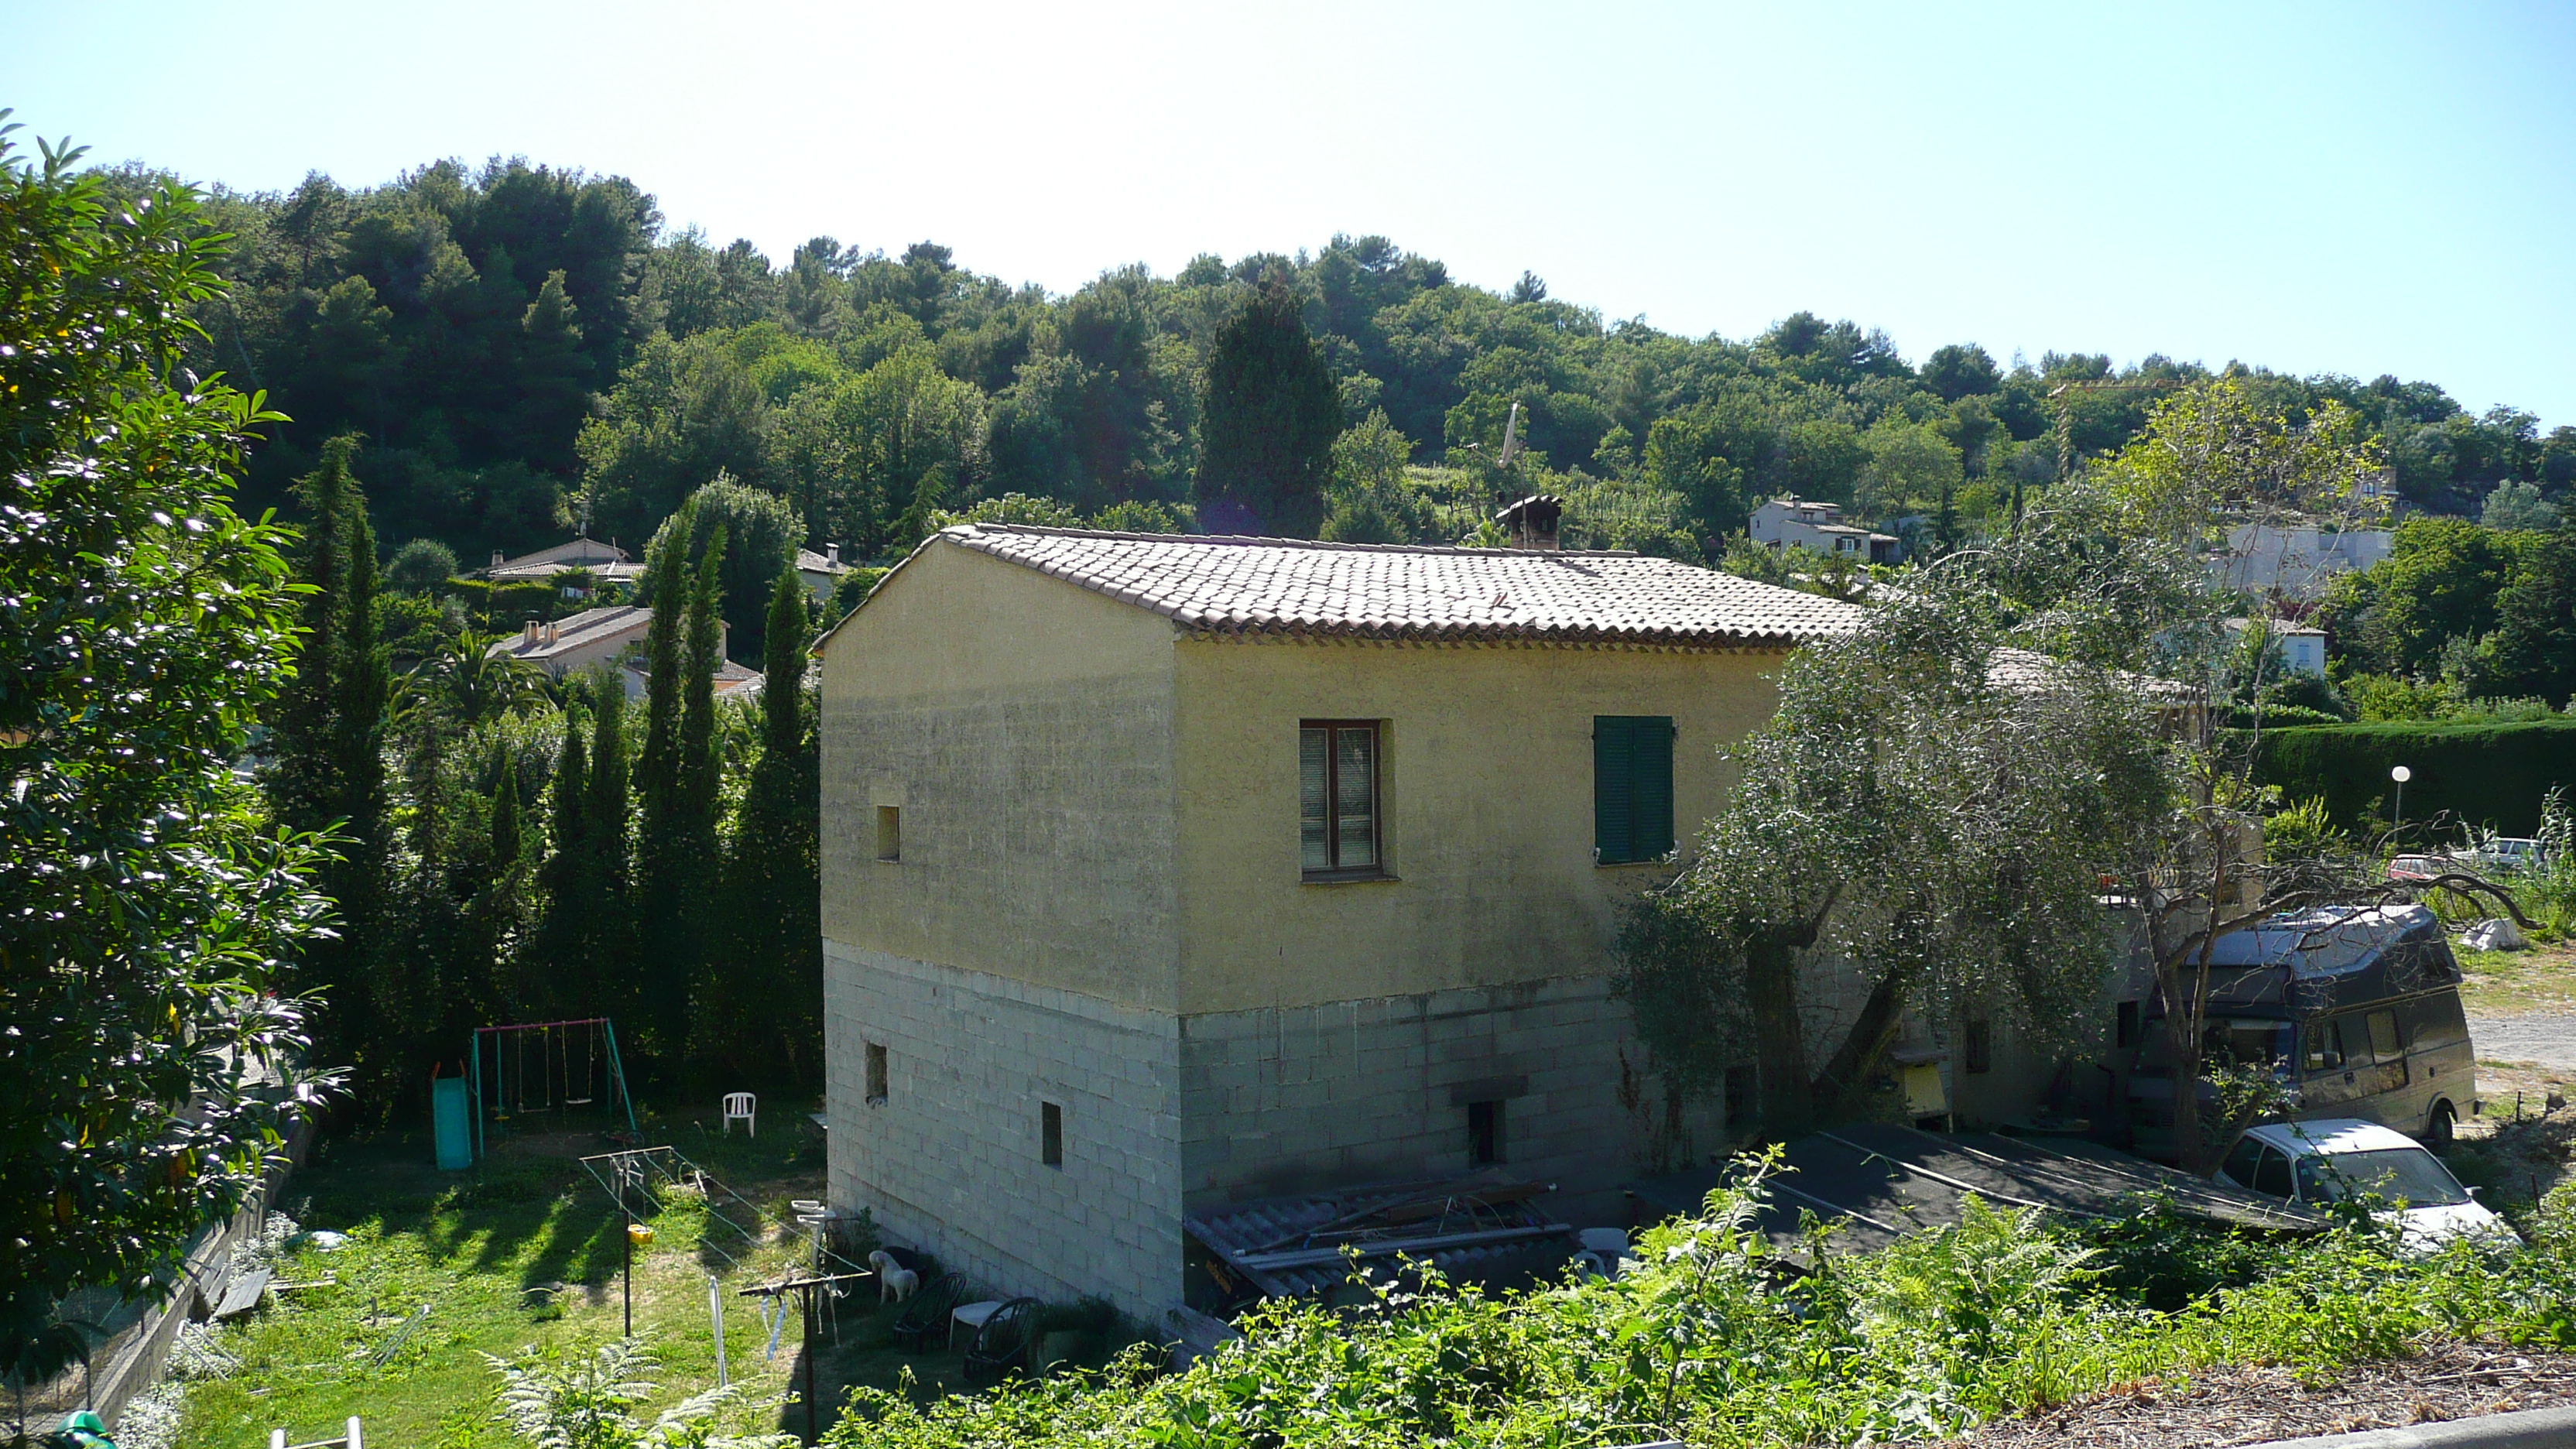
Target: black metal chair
x=1008, y=1341
x=923, y=1323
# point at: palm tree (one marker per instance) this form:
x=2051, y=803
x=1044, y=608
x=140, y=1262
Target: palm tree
x=471, y=681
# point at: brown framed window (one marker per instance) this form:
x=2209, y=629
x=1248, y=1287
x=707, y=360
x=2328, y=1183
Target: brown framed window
x=1337, y=766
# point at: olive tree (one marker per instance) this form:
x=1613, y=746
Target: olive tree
x=1964, y=804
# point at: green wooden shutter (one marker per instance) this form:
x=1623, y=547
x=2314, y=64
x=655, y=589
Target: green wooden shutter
x=1632, y=787
x=1650, y=788
x=1611, y=761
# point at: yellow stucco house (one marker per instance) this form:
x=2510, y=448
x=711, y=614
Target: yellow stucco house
x=1164, y=873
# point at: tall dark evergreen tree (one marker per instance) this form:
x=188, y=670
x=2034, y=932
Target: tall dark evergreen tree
x=1266, y=431
x=693, y=822
x=769, y=1019
x=609, y=958
x=662, y=862
x=300, y=779
x=559, y=957
x=326, y=758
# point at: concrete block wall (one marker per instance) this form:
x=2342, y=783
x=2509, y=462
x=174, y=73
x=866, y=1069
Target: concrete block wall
x=950, y=1160
x=1297, y=1099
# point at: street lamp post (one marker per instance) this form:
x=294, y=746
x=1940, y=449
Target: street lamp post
x=2401, y=775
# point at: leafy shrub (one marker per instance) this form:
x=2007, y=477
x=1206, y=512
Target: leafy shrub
x=1712, y=1337
x=590, y=1403
x=421, y=565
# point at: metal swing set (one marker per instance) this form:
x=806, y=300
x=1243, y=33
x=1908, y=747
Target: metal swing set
x=546, y=1069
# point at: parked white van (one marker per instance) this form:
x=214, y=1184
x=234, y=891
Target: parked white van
x=2356, y=1011
x=2339, y=1159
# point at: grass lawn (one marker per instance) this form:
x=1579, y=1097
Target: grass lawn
x=485, y=1250
x=2507, y=983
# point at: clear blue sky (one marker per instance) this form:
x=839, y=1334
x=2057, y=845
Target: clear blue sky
x=2354, y=188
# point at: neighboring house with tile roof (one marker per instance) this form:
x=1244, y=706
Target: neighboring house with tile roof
x=603, y=562
x=821, y=572
x=578, y=641
x=614, y=635
x=1161, y=874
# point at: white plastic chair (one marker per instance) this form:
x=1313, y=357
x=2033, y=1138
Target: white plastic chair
x=741, y=1106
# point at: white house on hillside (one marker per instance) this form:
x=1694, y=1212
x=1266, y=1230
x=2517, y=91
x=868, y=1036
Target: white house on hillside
x=2297, y=561
x=1792, y=522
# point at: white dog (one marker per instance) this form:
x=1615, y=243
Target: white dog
x=894, y=1281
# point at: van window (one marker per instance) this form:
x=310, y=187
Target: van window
x=2383, y=1037
x=2325, y=1047
x=2272, y=1174
x=2230, y=1042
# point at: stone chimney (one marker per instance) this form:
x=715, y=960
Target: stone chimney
x=528, y=635
x=1531, y=523
x=496, y=558
x=832, y=551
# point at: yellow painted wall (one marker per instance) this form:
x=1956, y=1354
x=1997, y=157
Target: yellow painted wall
x=1023, y=726
x=1488, y=802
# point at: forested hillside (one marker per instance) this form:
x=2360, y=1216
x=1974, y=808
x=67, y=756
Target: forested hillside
x=515, y=343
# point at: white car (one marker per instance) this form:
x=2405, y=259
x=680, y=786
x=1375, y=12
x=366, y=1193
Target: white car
x=2326, y=1161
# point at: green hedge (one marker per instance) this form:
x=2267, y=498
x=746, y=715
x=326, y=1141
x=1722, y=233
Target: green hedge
x=509, y=605
x=2483, y=774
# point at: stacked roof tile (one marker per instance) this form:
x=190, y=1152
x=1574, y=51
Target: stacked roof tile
x=1229, y=585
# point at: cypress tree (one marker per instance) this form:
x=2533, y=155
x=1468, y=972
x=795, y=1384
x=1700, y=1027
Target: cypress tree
x=508, y=845
x=770, y=1008
x=301, y=782
x=1271, y=414
x=326, y=767
x=560, y=956
x=692, y=822
x=663, y=865
x=608, y=962
x=365, y=692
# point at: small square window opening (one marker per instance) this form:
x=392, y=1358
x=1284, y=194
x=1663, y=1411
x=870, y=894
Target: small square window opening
x=1051, y=1134
x=876, y=1074
x=1484, y=1133
x=889, y=832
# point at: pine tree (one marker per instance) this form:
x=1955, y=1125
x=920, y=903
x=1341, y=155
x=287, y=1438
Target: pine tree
x=1271, y=414
x=554, y=378
x=769, y=1004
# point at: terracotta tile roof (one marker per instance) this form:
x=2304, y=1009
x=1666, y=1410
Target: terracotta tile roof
x=575, y=631
x=1375, y=591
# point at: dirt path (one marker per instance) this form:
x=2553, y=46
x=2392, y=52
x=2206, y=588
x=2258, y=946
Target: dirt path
x=2250, y=1405
x=2546, y=1039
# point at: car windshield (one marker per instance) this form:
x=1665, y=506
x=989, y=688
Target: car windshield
x=2408, y=1174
